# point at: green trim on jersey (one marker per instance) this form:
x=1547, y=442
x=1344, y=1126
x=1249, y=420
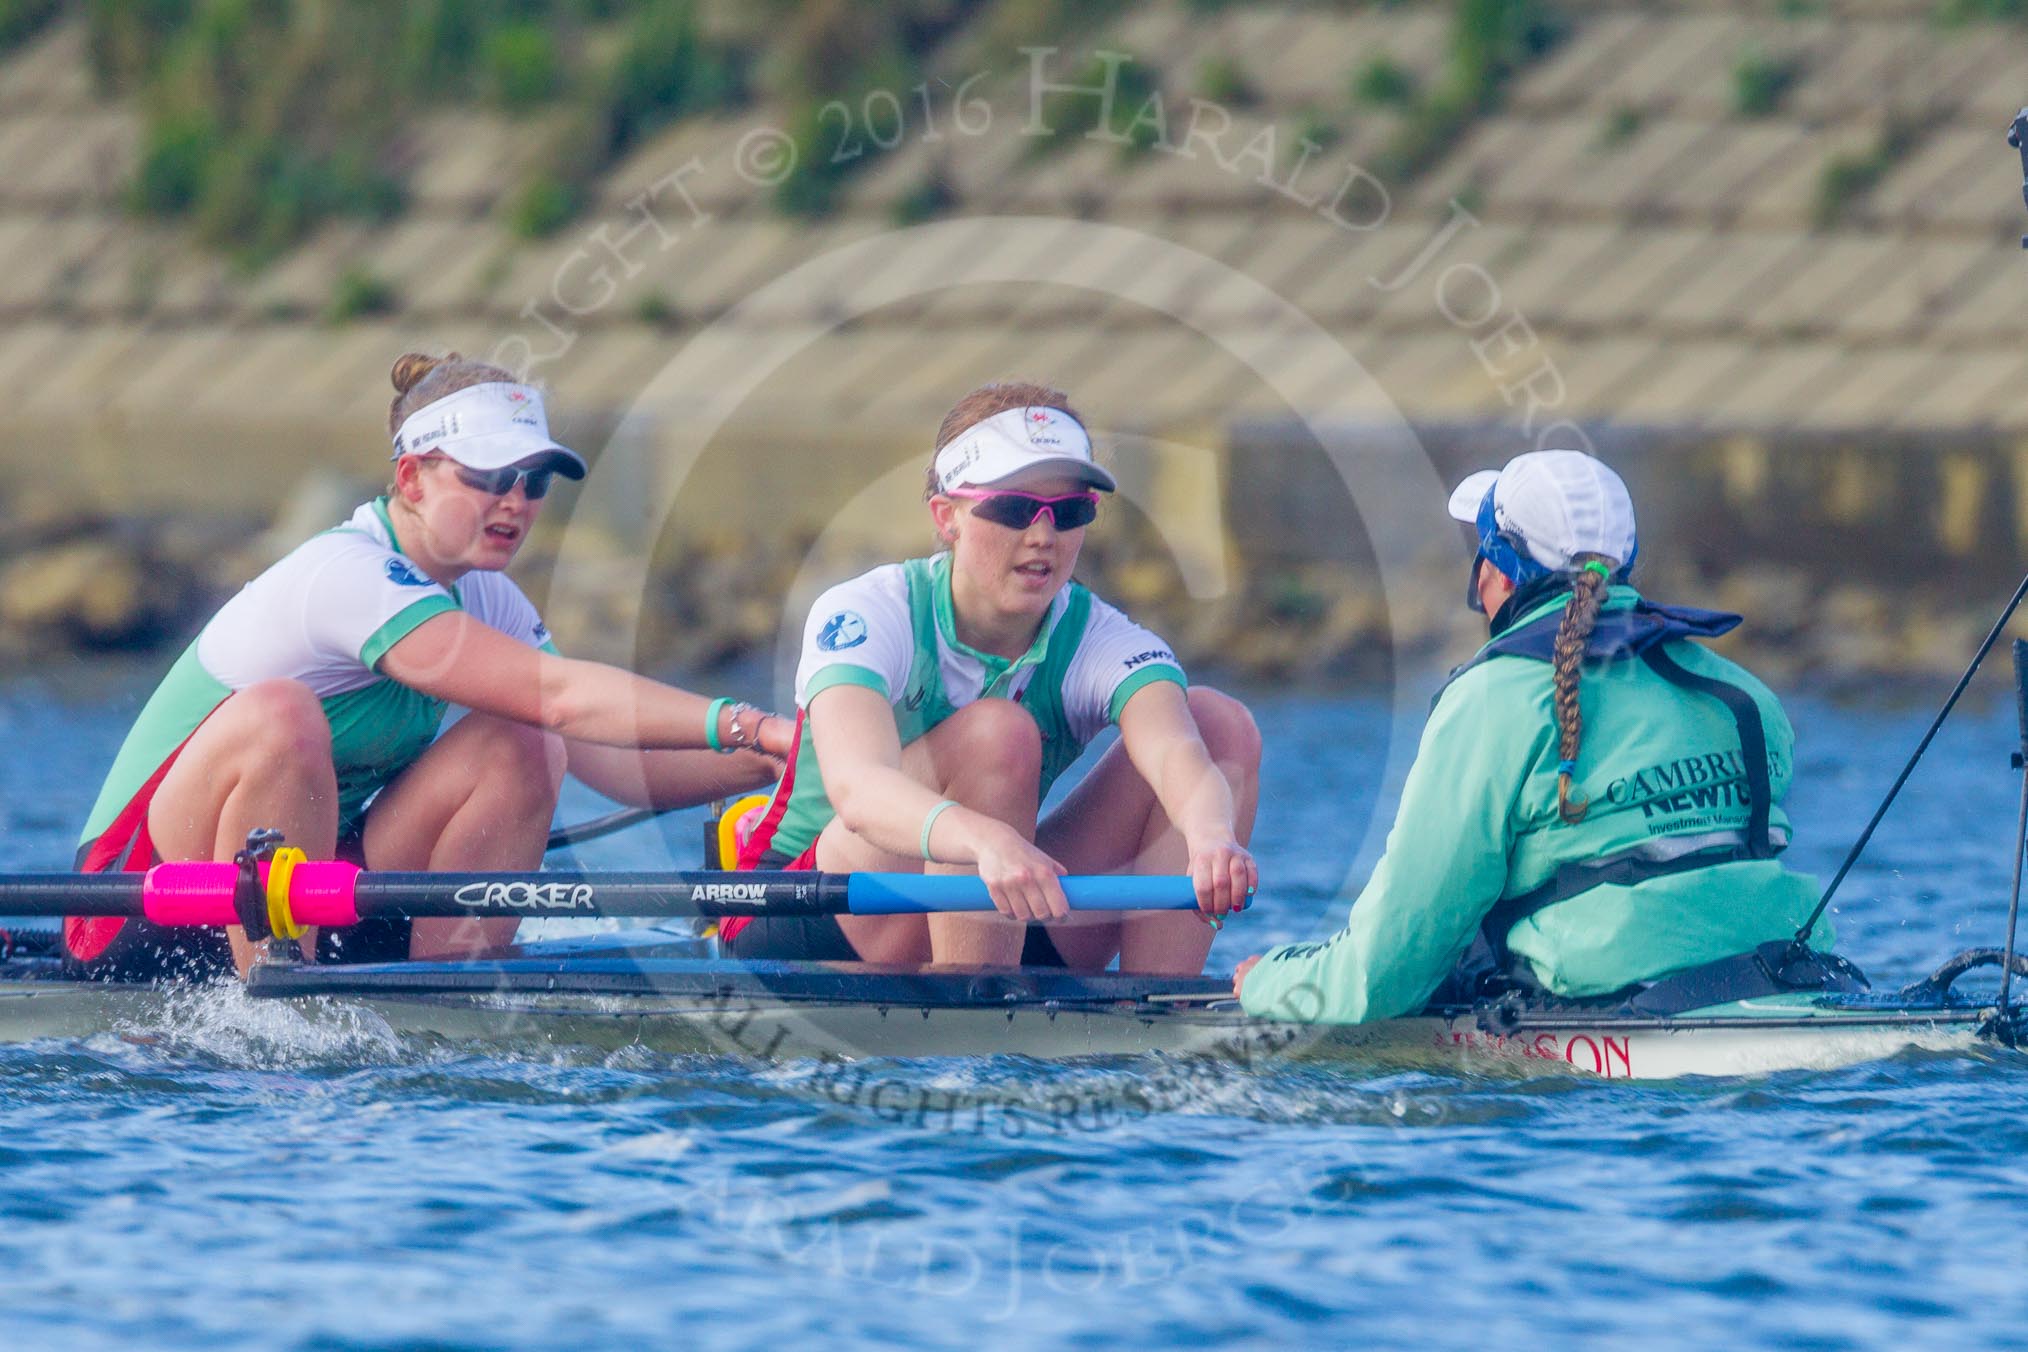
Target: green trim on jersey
x=845, y=674
x=185, y=698
x=377, y=731
x=924, y=703
x=1140, y=681
x=402, y=625
x=404, y=622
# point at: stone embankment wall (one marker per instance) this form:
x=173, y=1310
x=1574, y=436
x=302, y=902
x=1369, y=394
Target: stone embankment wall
x=1850, y=555
x=1763, y=255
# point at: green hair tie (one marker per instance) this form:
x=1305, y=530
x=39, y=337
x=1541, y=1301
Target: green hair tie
x=1596, y=566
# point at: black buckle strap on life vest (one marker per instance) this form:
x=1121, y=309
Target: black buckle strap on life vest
x=1752, y=740
x=1573, y=879
x=1576, y=879
x=1774, y=968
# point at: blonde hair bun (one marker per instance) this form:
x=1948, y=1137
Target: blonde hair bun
x=411, y=367
x=420, y=379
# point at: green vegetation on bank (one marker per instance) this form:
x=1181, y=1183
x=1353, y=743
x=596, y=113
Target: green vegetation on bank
x=359, y=292
x=23, y=19
x=1954, y=12
x=265, y=118
x=1491, y=41
x=1069, y=115
x=1760, y=82
x=1620, y=126
x=1384, y=82
x=1847, y=179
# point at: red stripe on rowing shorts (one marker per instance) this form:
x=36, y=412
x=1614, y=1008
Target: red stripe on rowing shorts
x=755, y=846
x=124, y=846
x=729, y=928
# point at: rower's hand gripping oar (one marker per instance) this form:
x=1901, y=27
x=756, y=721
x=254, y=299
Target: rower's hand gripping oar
x=286, y=893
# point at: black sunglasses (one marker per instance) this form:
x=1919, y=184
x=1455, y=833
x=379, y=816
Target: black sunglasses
x=1017, y=511
x=500, y=482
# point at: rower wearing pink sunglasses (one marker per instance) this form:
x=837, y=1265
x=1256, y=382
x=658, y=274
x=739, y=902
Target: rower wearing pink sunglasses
x=939, y=698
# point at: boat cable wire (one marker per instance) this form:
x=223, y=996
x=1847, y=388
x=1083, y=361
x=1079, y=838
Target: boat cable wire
x=602, y=826
x=2017, y=137
x=1922, y=747
x=2004, y=1024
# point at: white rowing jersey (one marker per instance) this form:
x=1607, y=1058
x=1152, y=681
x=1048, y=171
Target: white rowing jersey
x=894, y=631
x=325, y=616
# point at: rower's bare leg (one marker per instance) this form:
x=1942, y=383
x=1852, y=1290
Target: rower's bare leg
x=481, y=798
x=263, y=759
x=987, y=756
x=1111, y=823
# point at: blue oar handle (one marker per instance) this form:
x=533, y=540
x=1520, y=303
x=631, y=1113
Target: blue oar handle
x=922, y=893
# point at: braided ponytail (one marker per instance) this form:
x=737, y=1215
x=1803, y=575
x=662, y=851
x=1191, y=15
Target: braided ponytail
x=1580, y=613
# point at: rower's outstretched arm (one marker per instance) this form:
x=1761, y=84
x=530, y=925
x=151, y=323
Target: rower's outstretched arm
x=669, y=779
x=456, y=658
x=1445, y=866
x=1166, y=748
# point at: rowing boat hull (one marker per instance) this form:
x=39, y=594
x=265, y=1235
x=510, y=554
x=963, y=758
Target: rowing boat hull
x=764, y=1029
x=1456, y=1043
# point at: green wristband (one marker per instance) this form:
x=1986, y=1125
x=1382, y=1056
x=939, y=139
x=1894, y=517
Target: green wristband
x=711, y=723
x=930, y=821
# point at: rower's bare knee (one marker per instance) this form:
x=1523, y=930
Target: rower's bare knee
x=1227, y=727
x=277, y=728
x=992, y=739
x=989, y=757
x=517, y=766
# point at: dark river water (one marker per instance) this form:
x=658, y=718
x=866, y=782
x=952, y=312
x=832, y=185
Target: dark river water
x=247, y=1179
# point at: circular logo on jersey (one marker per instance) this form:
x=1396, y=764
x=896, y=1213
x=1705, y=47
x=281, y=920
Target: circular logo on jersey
x=404, y=573
x=841, y=631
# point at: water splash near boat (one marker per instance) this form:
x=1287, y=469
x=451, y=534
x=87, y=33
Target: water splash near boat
x=218, y=1021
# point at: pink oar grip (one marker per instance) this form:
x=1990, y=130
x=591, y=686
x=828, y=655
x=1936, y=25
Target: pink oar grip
x=320, y=893
x=192, y=892
x=199, y=892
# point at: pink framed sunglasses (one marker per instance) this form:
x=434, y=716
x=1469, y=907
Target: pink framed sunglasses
x=1017, y=510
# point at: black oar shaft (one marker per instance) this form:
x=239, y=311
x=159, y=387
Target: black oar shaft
x=552, y=893
x=26, y=894
x=568, y=892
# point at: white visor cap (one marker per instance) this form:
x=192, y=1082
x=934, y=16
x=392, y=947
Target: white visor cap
x=1019, y=441
x=1560, y=503
x=490, y=426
